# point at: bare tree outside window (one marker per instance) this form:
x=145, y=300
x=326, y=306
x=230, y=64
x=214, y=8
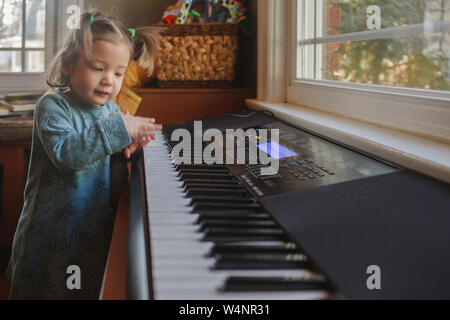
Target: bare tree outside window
x=22, y=36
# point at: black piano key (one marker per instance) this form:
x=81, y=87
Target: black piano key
x=237, y=223
x=221, y=235
x=260, y=261
x=199, y=166
x=206, y=176
x=202, y=171
x=248, y=284
x=207, y=182
x=234, y=214
x=222, y=206
x=221, y=199
x=217, y=192
x=213, y=186
x=218, y=249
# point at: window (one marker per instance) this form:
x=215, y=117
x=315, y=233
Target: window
x=389, y=42
x=385, y=62
x=26, y=42
x=22, y=34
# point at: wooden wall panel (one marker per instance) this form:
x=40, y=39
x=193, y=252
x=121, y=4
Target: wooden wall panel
x=171, y=106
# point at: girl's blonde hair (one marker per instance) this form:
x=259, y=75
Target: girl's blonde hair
x=95, y=26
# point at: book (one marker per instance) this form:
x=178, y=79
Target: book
x=11, y=115
x=19, y=107
x=22, y=96
x=3, y=111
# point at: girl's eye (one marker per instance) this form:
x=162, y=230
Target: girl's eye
x=119, y=74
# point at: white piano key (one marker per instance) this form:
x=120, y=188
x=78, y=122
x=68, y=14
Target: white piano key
x=214, y=294
x=179, y=236
x=199, y=274
x=183, y=219
x=179, y=252
x=165, y=206
x=175, y=264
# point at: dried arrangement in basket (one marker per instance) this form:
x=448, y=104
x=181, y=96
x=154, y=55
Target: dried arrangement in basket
x=201, y=55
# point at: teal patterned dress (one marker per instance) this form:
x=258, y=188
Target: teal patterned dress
x=68, y=216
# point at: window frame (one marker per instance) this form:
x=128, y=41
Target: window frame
x=19, y=81
x=421, y=112
x=55, y=30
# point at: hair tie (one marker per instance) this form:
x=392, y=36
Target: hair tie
x=132, y=33
x=92, y=19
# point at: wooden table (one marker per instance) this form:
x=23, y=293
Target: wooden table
x=15, y=146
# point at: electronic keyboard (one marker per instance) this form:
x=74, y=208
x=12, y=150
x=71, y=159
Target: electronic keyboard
x=225, y=231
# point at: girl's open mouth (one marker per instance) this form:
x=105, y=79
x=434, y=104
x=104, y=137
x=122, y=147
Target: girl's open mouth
x=101, y=93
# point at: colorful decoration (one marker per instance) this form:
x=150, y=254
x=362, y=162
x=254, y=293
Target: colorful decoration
x=184, y=11
x=204, y=11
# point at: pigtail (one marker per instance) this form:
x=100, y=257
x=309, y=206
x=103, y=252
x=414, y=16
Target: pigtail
x=55, y=77
x=145, y=47
x=77, y=43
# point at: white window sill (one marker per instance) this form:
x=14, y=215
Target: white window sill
x=430, y=157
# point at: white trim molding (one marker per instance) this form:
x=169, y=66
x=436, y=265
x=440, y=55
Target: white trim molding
x=272, y=41
x=414, y=112
x=429, y=27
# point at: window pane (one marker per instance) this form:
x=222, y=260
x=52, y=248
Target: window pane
x=345, y=16
x=10, y=61
x=35, y=25
x=10, y=23
x=35, y=61
x=413, y=58
x=416, y=62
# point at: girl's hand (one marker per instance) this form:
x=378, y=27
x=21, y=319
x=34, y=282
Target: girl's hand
x=138, y=143
x=132, y=148
x=139, y=127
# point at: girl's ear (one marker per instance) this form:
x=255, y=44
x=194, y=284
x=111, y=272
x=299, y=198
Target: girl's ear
x=65, y=68
x=67, y=71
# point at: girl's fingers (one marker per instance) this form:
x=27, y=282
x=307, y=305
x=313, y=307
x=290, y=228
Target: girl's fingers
x=127, y=153
x=154, y=127
x=144, y=140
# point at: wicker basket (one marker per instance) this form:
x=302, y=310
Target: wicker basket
x=199, y=55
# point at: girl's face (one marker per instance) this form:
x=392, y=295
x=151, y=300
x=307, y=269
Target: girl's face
x=96, y=81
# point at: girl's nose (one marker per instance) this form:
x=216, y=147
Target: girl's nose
x=107, y=79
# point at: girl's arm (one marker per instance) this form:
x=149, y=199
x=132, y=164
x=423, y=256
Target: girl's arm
x=73, y=150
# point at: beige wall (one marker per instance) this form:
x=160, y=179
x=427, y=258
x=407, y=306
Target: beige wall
x=133, y=13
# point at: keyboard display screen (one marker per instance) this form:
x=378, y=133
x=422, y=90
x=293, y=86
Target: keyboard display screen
x=284, y=152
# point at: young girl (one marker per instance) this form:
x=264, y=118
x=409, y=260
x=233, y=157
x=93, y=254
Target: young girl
x=67, y=219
